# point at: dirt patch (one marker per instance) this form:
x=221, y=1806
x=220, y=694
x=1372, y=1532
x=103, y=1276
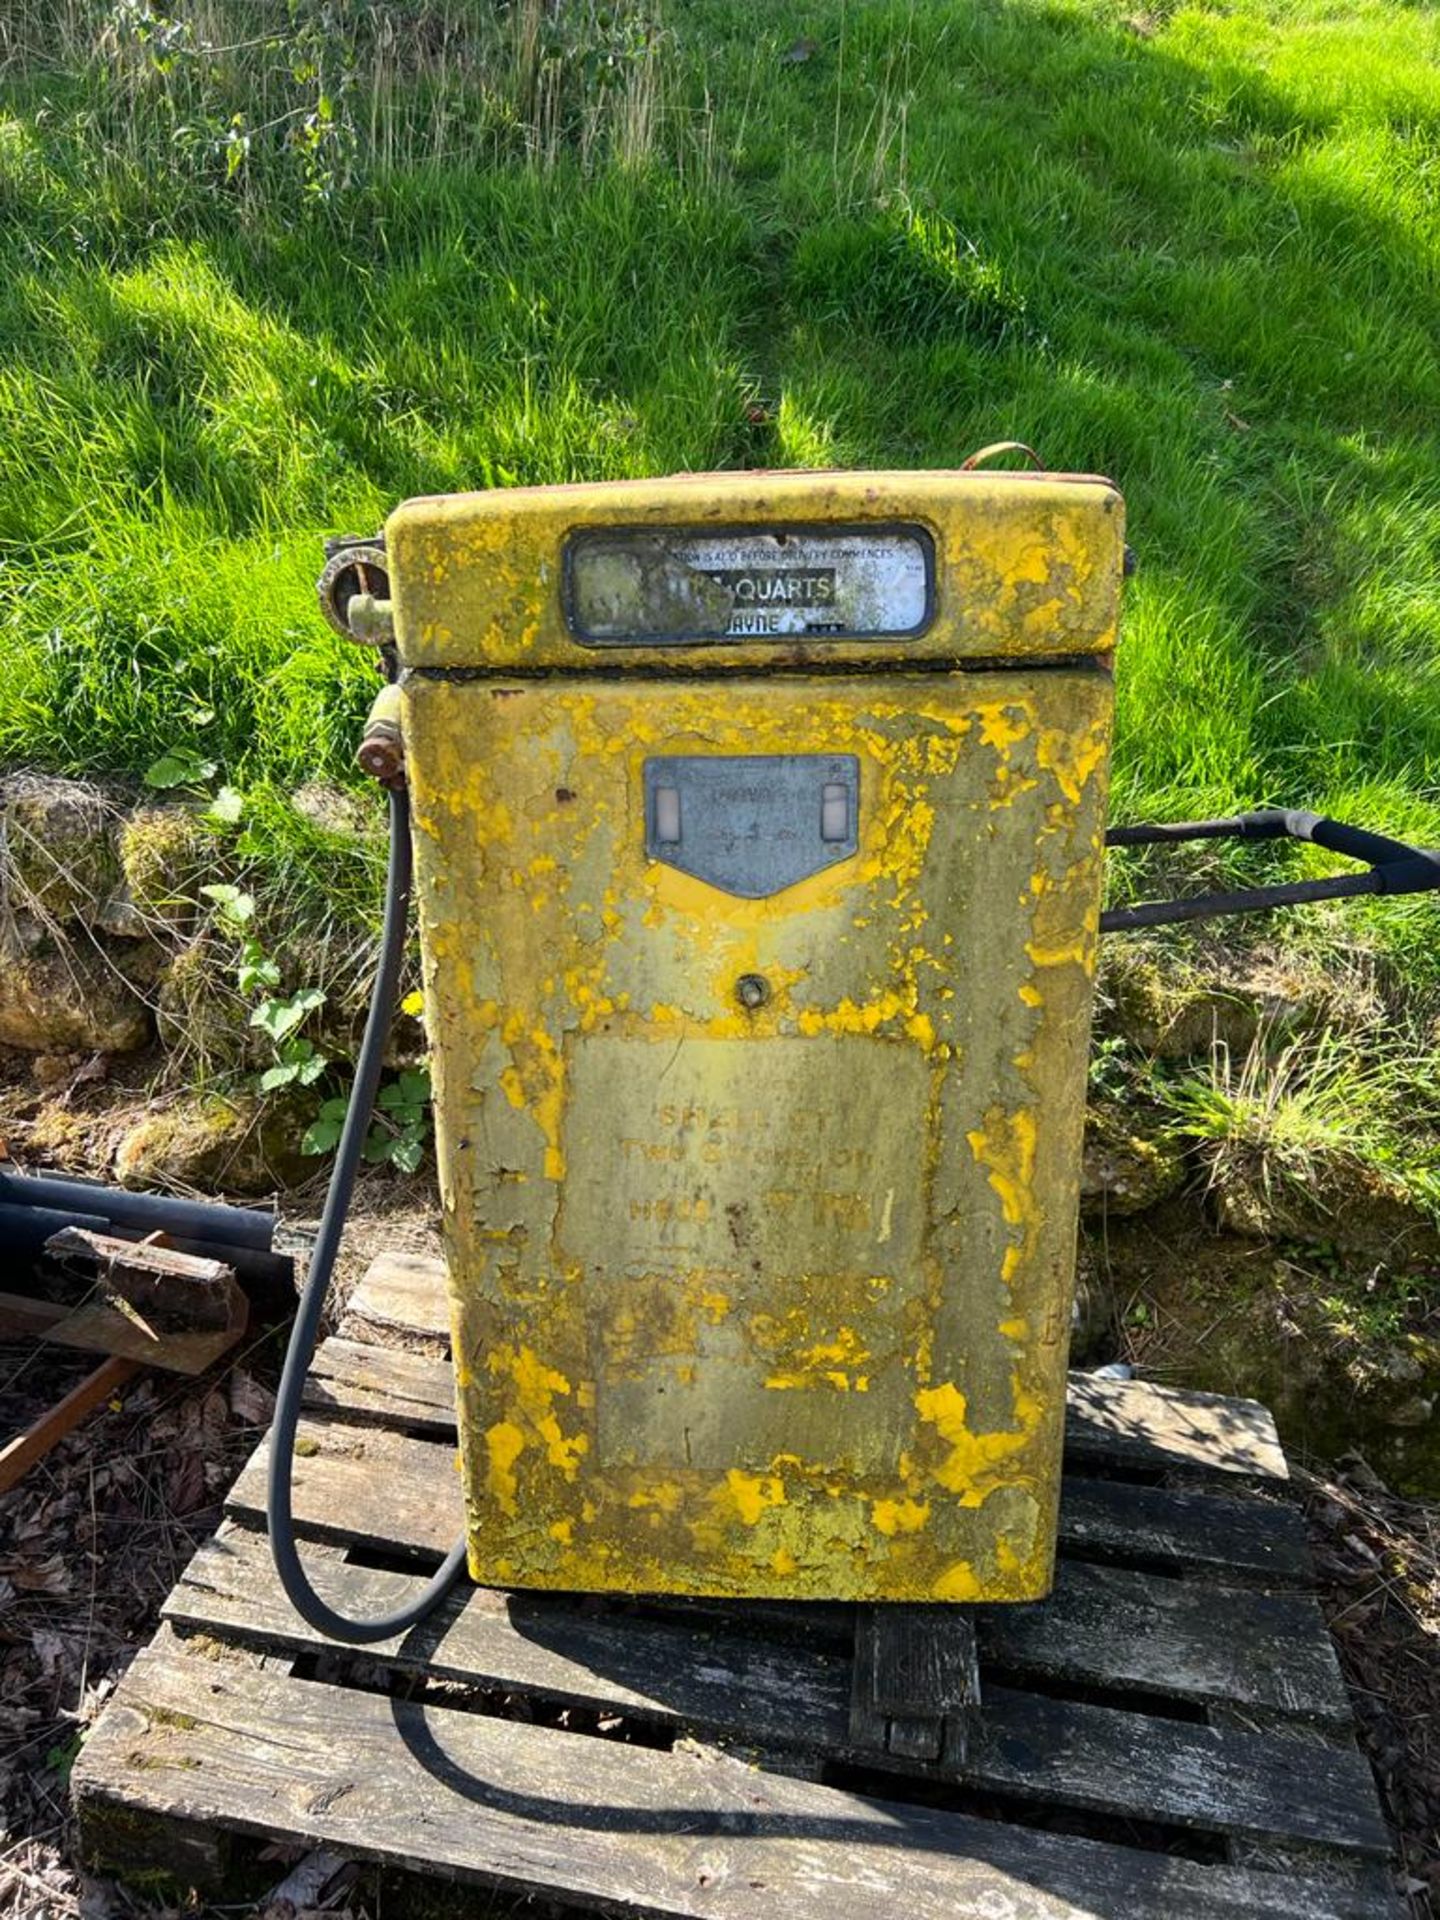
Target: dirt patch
x=91, y=1541
x=1378, y=1558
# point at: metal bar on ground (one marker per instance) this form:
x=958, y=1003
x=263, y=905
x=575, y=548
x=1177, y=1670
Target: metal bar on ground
x=20, y=1454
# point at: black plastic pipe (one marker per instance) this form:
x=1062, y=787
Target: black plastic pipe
x=152, y=1212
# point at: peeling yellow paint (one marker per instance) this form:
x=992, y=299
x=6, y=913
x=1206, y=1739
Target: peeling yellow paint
x=959, y=1582
x=504, y=1444
x=900, y=1516
x=752, y=1494
x=972, y=1468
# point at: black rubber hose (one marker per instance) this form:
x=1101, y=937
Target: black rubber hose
x=298, y=1590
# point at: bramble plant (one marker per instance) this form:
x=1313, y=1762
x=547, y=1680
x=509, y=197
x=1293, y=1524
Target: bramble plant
x=398, y=1132
x=400, y=1127
x=298, y=1061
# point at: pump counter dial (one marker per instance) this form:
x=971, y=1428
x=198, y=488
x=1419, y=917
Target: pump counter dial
x=627, y=586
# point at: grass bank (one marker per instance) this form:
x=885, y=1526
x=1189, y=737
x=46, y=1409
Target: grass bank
x=267, y=268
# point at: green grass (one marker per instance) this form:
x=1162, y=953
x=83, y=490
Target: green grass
x=451, y=244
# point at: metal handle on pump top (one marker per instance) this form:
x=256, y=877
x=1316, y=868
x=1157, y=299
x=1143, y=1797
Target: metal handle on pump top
x=1394, y=866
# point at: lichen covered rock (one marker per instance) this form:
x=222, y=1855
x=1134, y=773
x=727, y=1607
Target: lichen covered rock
x=164, y=854
x=1182, y=1014
x=57, y=855
x=1124, y=1169
x=1344, y=1352
x=1343, y=1203
x=67, y=996
x=215, y=1144
x=200, y=1017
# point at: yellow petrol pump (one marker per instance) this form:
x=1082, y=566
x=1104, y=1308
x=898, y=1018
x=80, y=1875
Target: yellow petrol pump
x=758, y=823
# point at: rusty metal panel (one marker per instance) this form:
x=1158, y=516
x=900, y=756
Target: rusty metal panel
x=958, y=566
x=765, y=1289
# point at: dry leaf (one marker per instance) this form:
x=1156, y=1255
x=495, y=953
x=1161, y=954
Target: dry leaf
x=52, y=1575
x=250, y=1403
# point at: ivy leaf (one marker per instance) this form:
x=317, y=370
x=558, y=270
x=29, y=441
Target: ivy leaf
x=415, y=1085
x=235, y=908
x=278, y=1076
x=407, y=1095
x=256, y=970
x=407, y=1153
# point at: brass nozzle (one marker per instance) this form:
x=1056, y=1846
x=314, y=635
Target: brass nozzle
x=381, y=752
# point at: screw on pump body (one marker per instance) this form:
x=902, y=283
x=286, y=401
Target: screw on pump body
x=752, y=991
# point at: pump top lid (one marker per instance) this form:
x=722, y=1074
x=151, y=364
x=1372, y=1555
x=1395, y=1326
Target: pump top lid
x=759, y=570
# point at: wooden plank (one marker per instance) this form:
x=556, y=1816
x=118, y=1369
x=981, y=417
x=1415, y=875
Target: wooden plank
x=387, y=1385
x=1113, y=1627
x=731, y=1680
x=17, y=1456
x=916, y=1684
x=21, y=1316
x=868, y=1728
x=357, y=1482
x=363, y=1484
x=404, y=1294
x=1129, y=1424
x=117, y=1318
x=1263, y=1539
x=1318, y=1793
x=502, y=1803
x=1139, y=1424
x=673, y=1671
x=97, y=1327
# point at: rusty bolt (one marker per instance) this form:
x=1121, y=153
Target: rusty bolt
x=752, y=990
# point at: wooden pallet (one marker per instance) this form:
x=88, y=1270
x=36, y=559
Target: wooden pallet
x=1166, y=1737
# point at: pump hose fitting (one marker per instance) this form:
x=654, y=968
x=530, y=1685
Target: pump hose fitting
x=298, y=1590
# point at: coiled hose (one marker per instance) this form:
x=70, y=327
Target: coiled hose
x=298, y=1590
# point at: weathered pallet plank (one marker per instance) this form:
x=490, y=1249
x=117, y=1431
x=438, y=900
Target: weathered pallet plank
x=1140, y=1424
x=727, y=1679
x=405, y=1294
x=1190, y=1640
x=363, y=1484
x=1130, y=1423
x=388, y=1385
x=915, y=1685
x=503, y=1803
x=1263, y=1539
x=356, y=1481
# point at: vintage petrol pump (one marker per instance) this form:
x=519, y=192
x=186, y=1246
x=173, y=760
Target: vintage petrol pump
x=758, y=823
